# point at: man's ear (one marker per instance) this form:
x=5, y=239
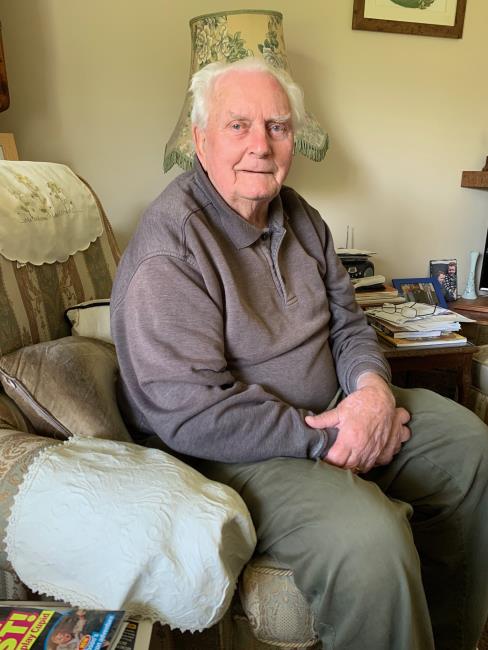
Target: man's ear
x=199, y=141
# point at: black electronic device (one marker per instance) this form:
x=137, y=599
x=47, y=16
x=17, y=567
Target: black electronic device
x=358, y=267
x=484, y=268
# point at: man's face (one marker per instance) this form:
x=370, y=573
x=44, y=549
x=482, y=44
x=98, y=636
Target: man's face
x=62, y=638
x=451, y=269
x=247, y=146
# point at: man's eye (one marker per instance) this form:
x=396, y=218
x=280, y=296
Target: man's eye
x=278, y=128
x=236, y=126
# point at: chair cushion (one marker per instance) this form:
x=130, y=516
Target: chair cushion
x=66, y=387
x=277, y=611
x=11, y=417
x=92, y=319
x=120, y=526
x=17, y=451
x=478, y=403
x=11, y=587
x=480, y=369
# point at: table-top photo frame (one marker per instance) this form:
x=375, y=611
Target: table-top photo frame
x=423, y=290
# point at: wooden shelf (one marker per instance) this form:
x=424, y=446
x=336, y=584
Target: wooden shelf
x=475, y=180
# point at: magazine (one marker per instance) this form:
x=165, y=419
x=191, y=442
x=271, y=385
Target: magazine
x=444, y=340
x=136, y=635
x=47, y=627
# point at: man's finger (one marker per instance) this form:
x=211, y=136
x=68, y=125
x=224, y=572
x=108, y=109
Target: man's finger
x=340, y=455
x=402, y=414
x=327, y=419
x=405, y=433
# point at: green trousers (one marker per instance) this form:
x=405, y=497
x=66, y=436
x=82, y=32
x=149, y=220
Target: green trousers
x=392, y=560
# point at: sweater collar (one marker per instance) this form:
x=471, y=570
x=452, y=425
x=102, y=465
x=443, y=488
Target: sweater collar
x=240, y=232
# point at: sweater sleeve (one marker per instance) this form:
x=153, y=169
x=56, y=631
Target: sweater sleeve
x=170, y=344
x=353, y=342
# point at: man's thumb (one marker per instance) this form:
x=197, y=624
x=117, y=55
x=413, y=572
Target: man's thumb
x=322, y=420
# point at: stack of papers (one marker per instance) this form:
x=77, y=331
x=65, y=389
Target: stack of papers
x=413, y=323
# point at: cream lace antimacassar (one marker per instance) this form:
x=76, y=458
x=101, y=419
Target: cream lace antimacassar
x=112, y=525
x=46, y=212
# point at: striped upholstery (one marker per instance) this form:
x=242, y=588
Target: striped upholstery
x=33, y=298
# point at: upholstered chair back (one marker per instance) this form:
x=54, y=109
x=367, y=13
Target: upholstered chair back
x=33, y=298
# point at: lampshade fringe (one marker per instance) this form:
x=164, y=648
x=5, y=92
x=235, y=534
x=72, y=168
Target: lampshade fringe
x=311, y=151
x=177, y=158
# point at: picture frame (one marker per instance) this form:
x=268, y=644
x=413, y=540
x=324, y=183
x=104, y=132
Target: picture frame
x=425, y=290
x=8, y=148
x=418, y=17
x=4, y=94
x=445, y=270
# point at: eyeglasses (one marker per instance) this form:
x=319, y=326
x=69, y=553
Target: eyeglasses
x=409, y=311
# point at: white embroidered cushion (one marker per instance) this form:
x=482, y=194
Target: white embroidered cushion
x=113, y=525
x=91, y=318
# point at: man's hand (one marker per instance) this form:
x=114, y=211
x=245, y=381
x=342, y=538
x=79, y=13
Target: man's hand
x=371, y=429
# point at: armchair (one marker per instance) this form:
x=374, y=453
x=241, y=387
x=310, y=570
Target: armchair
x=267, y=609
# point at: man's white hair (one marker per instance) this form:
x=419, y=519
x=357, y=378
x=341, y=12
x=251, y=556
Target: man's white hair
x=203, y=81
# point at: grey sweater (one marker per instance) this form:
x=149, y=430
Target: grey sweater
x=228, y=335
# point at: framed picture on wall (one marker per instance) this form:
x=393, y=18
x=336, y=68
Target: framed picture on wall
x=4, y=95
x=425, y=290
x=421, y=17
x=8, y=150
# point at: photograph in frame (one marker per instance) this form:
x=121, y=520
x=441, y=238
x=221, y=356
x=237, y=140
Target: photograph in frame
x=444, y=18
x=445, y=270
x=424, y=290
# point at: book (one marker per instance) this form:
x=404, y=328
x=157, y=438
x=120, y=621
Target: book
x=374, y=298
x=444, y=340
x=411, y=330
x=58, y=627
x=404, y=334
x=386, y=292
x=368, y=282
x=378, y=301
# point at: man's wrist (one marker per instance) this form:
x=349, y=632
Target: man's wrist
x=327, y=439
x=372, y=379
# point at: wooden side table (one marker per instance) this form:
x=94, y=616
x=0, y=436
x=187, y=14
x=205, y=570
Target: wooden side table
x=405, y=363
x=477, y=308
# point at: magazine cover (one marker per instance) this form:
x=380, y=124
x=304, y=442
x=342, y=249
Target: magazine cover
x=23, y=628
x=446, y=273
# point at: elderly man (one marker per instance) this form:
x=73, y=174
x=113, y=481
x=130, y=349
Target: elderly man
x=241, y=346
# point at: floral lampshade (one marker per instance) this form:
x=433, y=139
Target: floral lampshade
x=229, y=36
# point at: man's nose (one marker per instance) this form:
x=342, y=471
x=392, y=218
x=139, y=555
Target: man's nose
x=259, y=143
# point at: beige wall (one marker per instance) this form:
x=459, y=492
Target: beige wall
x=98, y=85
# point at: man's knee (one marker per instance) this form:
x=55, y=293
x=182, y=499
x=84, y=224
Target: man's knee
x=369, y=542
x=437, y=418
